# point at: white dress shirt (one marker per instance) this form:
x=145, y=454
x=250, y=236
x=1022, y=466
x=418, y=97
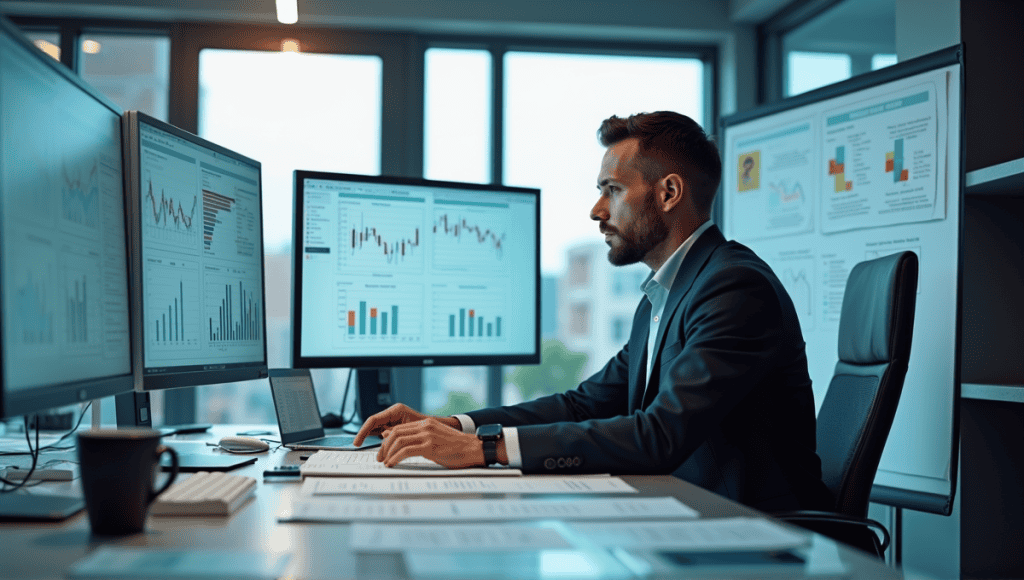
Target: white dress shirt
x=657, y=288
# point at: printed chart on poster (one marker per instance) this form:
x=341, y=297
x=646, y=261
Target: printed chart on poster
x=774, y=181
x=423, y=269
x=831, y=181
x=202, y=266
x=62, y=230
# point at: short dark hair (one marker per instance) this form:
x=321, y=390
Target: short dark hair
x=670, y=143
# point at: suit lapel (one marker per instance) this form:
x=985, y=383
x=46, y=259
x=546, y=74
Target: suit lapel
x=692, y=264
x=638, y=353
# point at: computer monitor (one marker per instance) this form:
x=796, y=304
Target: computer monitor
x=64, y=276
x=195, y=211
x=408, y=272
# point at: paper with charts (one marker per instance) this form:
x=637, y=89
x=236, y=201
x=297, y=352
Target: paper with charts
x=365, y=464
x=326, y=486
x=702, y=535
x=436, y=509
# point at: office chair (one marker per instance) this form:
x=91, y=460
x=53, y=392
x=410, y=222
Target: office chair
x=875, y=330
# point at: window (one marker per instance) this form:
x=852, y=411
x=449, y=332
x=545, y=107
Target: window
x=48, y=42
x=821, y=42
x=288, y=111
x=457, y=115
x=579, y=319
x=134, y=71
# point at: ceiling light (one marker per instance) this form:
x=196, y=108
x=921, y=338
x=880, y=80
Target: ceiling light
x=287, y=11
x=90, y=47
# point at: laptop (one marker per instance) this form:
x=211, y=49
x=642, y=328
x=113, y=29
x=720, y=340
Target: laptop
x=298, y=414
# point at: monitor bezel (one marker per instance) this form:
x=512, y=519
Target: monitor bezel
x=196, y=375
x=36, y=399
x=424, y=360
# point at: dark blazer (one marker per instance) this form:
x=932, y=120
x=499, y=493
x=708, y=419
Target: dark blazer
x=729, y=406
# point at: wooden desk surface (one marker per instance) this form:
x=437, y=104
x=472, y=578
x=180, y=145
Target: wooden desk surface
x=36, y=550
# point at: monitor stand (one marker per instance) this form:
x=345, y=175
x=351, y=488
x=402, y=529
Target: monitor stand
x=374, y=391
x=134, y=410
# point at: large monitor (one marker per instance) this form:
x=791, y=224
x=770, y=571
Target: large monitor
x=408, y=272
x=854, y=171
x=64, y=320
x=197, y=254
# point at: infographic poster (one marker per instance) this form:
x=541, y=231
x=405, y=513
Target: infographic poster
x=774, y=180
x=882, y=160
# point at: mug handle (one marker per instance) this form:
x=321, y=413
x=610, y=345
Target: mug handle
x=171, y=475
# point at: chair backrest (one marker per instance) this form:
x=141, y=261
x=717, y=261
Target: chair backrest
x=875, y=331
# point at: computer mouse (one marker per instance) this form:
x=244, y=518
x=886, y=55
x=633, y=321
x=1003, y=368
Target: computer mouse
x=236, y=444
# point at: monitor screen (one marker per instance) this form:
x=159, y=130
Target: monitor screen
x=403, y=272
x=64, y=277
x=198, y=241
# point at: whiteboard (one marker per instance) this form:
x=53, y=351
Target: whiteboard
x=852, y=172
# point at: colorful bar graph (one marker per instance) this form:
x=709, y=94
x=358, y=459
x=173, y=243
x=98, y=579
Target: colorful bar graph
x=375, y=314
x=479, y=327
x=837, y=169
x=894, y=162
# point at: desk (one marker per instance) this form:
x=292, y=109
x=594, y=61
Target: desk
x=31, y=550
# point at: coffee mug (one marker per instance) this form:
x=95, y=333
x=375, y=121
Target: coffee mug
x=119, y=468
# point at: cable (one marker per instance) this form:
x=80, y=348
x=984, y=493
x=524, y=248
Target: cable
x=35, y=458
x=52, y=446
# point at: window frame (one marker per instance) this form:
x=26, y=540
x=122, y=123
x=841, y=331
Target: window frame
x=770, y=57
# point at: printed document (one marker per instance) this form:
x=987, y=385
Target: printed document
x=360, y=463
x=374, y=537
x=360, y=509
x=325, y=486
x=703, y=535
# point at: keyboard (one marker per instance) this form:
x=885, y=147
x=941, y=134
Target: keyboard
x=205, y=494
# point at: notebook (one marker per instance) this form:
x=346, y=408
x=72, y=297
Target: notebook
x=298, y=414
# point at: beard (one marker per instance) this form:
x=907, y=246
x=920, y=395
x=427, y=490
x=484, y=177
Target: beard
x=641, y=236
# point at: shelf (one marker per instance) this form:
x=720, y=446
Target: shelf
x=1005, y=393
x=1005, y=178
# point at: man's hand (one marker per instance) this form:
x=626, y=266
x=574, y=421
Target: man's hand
x=394, y=415
x=434, y=440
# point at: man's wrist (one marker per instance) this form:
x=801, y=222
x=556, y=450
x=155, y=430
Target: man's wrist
x=452, y=422
x=502, y=454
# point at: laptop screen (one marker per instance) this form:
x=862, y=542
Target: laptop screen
x=295, y=402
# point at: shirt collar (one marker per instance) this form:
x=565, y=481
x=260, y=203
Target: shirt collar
x=667, y=273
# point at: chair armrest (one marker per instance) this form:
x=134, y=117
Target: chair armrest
x=835, y=518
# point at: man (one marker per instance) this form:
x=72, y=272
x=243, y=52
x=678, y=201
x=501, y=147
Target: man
x=712, y=385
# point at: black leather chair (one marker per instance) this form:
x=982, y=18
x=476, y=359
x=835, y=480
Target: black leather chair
x=875, y=330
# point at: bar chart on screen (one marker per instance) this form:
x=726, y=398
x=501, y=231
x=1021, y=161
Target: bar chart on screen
x=469, y=313
x=380, y=312
x=234, y=310
x=171, y=306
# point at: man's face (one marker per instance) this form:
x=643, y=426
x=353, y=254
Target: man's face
x=630, y=220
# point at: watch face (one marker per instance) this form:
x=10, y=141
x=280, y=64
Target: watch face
x=488, y=431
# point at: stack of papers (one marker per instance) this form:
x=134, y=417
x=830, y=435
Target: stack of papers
x=691, y=535
x=328, y=486
x=436, y=509
x=361, y=463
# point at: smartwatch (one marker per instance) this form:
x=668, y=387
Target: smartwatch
x=489, y=435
